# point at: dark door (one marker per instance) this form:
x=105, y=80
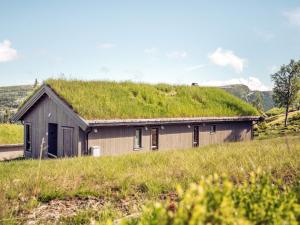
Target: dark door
x=154, y=138
x=196, y=136
x=52, y=139
x=68, y=141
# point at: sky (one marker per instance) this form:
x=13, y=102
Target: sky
x=207, y=42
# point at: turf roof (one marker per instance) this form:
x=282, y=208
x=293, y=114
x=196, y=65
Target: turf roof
x=126, y=100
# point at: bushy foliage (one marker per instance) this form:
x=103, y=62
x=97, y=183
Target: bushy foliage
x=217, y=200
x=275, y=111
x=111, y=100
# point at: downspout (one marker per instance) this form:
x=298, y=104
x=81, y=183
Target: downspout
x=87, y=140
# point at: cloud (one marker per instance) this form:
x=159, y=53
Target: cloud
x=222, y=57
x=151, y=51
x=252, y=82
x=196, y=67
x=7, y=53
x=177, y=55
x=293, y=16
x=106, y=45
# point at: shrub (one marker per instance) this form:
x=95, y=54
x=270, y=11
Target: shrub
x=217, y=200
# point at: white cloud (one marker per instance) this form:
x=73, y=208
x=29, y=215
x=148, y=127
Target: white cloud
x=252, y=82
x=106, y=45
x=177, y=55
x=7, y=53
x=151, y=51
x=196, y=67
x=293, y=16
x=222, y=57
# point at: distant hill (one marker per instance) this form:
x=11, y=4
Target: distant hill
x=10, y=98
x=243, y=92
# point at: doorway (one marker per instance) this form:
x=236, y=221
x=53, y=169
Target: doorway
x=68, y=141
x=52, y=140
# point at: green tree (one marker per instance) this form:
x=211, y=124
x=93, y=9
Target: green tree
x=286, y=86
x=36, y=83
x=258, y=102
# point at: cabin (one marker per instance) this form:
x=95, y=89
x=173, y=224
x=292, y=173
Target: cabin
x=66, y=118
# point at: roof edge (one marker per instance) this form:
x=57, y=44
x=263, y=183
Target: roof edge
x=183, y=120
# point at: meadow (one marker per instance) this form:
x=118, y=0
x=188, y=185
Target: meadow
x=123, y=184
x=11, y=134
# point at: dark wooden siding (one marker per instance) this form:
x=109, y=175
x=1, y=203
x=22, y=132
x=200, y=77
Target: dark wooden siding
x=118, y=140
x=44, y=112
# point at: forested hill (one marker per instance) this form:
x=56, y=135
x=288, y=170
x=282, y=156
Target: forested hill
x=10, y=99
x=11, y=96
x=243, y=92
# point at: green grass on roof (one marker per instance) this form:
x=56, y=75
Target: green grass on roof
x=123, y=100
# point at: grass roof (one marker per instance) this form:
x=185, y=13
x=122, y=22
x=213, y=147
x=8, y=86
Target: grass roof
x=125, y=100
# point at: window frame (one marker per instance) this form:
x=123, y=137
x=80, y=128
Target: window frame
x=140, y=146
x=29, y=125
x=196, y=143
x=157, y=138
x=213, y=129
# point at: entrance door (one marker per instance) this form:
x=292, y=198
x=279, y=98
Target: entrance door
x=52, y=140
x=154, y=138
x=68, y=141
x=196, y=136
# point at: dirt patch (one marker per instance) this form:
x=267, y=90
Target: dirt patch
x=52, y=211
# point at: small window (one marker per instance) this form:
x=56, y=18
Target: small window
x=138, y=138
x=196, y=136
x=28, y=137
x=213, y=128
x=154, y=138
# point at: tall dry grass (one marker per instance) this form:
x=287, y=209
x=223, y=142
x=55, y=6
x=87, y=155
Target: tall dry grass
x=146, y=175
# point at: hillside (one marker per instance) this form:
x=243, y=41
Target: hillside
x=243, y=92
x=274, y=126
x=76, y=190
x=122, y=100
x=10, y=99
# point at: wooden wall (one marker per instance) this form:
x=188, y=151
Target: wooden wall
x=44, y=112
x=118, y=140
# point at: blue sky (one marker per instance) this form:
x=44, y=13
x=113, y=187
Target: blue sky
x=209, y=42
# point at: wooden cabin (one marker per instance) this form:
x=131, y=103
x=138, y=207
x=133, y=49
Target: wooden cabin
x=57, y=123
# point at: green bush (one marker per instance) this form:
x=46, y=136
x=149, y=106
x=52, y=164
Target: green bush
x=275, y=111
x=218, y=200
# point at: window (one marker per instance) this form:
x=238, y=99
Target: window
x=213, y=128
x=154, y=138
x=138, y=138
x=196, y=136
x=28, y=137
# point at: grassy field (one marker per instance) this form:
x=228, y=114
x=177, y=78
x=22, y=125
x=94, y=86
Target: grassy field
x=123, y=184
x=11, y=134
x=110, y=100
x=274, y=126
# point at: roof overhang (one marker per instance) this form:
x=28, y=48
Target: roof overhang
x=162, y=121
x=45, y=89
